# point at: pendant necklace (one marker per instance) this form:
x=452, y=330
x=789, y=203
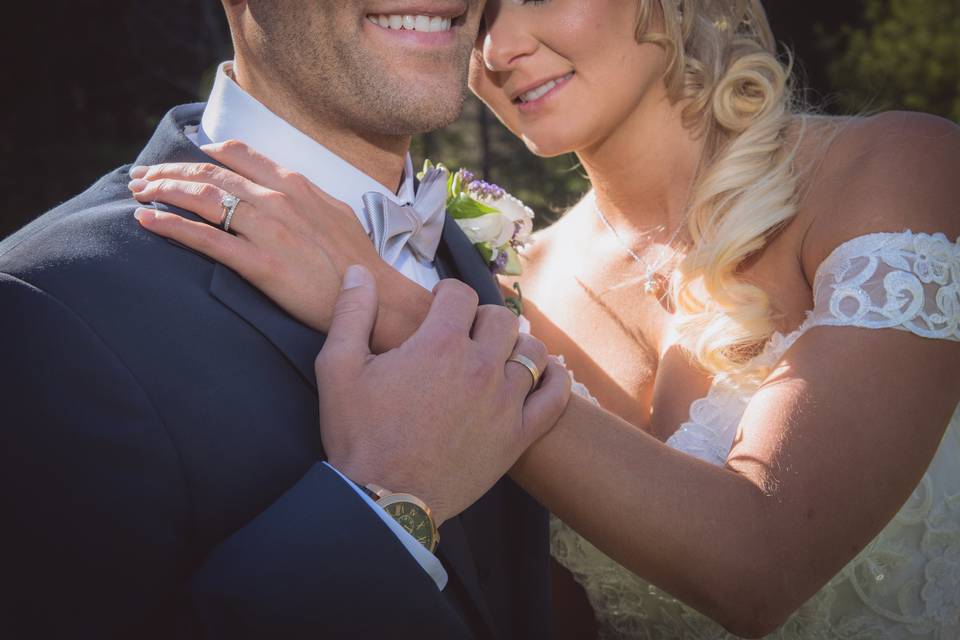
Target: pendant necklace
x=654, y=283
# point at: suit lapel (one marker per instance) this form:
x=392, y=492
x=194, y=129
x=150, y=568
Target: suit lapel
x=458, y=258
x=298, y=343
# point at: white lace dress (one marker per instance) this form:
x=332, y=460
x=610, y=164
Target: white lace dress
x=906, y=582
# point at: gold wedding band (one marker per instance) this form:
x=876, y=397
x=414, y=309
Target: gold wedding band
x=530, y=365
x=229, y=203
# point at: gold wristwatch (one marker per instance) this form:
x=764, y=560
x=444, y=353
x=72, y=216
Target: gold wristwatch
x=410, y=512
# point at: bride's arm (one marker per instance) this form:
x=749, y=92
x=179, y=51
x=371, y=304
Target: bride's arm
x=824, y=458
x=289, y=239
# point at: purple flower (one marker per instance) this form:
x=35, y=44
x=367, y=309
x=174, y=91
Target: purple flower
x=499, y=262
x=466, y=176
x=483, y=189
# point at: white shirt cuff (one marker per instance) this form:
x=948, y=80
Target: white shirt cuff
x=424, y=558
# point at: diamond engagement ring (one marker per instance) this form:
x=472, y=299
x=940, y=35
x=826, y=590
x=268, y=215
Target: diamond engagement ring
x=229, y=203
x=529, y=365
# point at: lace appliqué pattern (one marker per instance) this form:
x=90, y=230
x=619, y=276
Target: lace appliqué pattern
x=906, y=582
x=903, y=281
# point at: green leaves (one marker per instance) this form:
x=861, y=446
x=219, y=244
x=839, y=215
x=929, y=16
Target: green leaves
x=905, y=55
x=463, y=206
x=515, y=304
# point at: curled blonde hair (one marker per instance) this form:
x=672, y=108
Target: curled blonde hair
x=723, y=66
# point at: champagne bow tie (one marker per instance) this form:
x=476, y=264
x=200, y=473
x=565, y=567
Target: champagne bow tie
x=418, y=225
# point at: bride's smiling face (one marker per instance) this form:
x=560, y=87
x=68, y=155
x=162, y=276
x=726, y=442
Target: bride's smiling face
x=564, y=74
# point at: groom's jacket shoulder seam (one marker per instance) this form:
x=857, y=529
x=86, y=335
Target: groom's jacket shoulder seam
x=67, y=311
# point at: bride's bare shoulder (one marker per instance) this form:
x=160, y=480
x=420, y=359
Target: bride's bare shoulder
x=547, y=245
x=889, y=172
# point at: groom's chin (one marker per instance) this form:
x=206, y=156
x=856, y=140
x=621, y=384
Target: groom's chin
x=430, y=107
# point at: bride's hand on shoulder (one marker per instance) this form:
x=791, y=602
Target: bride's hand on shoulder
x=287, y=237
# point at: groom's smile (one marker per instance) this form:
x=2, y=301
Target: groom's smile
x=374, y=67
x=427, y=25
x=418, y=25
x=409, y=57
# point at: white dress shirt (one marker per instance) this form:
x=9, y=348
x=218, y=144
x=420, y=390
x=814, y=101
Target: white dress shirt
x=233, y=114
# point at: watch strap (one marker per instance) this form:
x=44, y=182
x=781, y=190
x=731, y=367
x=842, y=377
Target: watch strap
x=376, y=492
x=369, y=493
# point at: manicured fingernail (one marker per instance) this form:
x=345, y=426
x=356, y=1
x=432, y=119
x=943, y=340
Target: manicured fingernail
x=355, y=276
x=138, y=184
x=210, y=147
x=145, y=215
x=138, y=171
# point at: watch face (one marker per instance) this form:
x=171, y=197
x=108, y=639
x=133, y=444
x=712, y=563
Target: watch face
x=415, y=520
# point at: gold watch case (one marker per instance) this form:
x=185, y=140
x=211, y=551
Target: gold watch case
x=411, y=513
x=414, y=516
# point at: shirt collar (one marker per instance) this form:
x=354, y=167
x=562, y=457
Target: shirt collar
x=232, y=113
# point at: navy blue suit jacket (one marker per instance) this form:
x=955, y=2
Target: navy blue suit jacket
x=161, y=466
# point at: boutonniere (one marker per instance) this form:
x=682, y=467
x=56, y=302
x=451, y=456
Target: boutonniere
x=497, y=223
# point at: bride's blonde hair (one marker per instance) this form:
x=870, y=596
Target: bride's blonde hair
x=723, y=65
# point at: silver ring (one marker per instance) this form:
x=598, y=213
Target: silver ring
x=229, y=203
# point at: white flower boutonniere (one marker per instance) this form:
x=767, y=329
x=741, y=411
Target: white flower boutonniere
x=495, y=222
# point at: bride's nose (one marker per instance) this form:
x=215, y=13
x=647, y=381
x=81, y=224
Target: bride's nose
x=506, y=43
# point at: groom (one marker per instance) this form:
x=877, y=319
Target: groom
x=162, y=469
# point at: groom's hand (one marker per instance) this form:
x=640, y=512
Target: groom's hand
x=443, y=416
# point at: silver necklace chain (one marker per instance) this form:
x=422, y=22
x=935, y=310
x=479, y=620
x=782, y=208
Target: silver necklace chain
x=649, y=272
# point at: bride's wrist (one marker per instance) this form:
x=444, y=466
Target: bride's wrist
x=403, y=306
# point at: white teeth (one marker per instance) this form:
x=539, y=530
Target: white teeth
x=542, y=90
x=426, y=24
x=539, y=92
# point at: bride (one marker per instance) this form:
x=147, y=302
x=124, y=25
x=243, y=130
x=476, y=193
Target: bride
x=766, y=304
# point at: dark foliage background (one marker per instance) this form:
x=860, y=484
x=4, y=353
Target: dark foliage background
x=87, y=81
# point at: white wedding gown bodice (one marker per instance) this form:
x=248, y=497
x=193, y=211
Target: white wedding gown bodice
x=906, y=582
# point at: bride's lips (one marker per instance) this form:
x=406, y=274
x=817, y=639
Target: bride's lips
x=536, y=94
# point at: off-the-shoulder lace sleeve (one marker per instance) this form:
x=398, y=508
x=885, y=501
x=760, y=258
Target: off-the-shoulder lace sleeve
x=908, y=281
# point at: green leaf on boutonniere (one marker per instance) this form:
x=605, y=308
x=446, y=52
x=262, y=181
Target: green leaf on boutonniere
x=462, y=206
x=454, y=185
x=485, y=251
